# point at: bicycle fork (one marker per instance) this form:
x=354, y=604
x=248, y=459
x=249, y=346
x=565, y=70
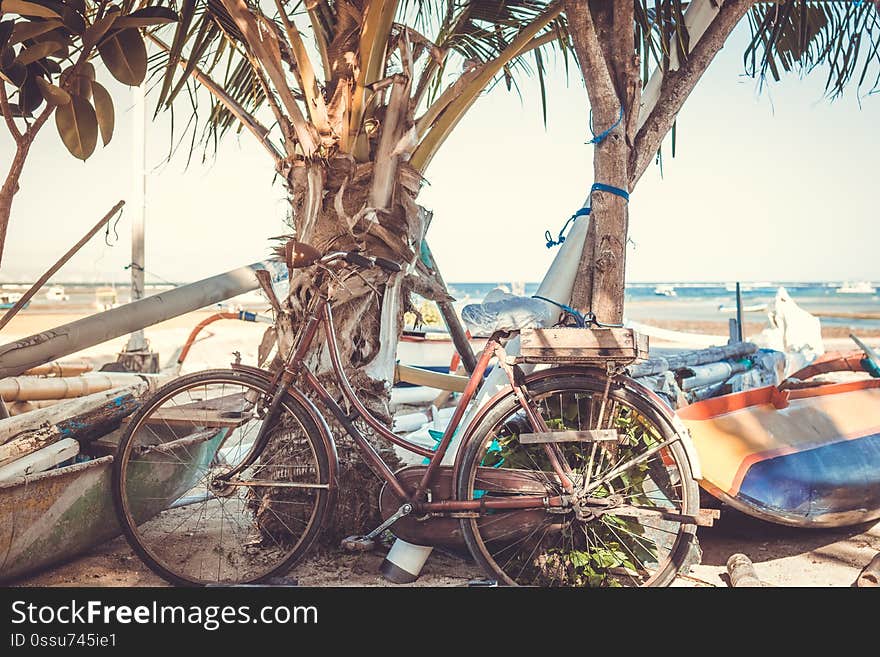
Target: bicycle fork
x=263, y=436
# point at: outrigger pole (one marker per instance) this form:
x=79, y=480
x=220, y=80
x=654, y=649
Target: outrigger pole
x=18, y=356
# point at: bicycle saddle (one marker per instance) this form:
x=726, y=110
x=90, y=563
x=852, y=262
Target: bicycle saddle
x=501, y=311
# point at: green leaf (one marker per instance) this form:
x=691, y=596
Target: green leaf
x=31, y=29
x=23, y=8
x=147, y=17
x=78, y=126
x=52, y=93
x=103, y=111
x=38, y=51
x=125, y=55
x=71, y=18
x=87, y=69
x=79, y=83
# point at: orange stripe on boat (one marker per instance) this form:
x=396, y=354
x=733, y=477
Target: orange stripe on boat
x=734, y=432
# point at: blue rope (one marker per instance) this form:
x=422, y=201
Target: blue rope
x=581, y=320
x=584, y=211
x=598, y=139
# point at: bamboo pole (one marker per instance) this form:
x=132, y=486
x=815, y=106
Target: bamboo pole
x=28, y=388
x=12, y=312
x=742, y=572
x=61, y=368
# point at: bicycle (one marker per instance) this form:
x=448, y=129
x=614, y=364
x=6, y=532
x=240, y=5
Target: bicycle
x=571, y=476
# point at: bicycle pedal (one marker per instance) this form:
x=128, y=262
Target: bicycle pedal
x=358, y=544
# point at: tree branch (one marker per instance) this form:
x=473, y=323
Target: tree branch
x=264, y=46
x=594, y=66
x=678, y=85
x=7, y=114
x=314, y=9
x=457, y=88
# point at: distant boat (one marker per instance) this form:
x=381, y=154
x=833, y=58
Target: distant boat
x=859, y=287
x=665, y=290
x=754, y=308
x=56, y=293
x=9, y=299
x=106, y=298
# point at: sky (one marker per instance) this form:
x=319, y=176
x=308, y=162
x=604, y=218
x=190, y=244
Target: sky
x=777, y=183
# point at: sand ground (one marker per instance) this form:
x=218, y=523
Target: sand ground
x=782, y=556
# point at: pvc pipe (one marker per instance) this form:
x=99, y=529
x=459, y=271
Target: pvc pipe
x=404, y=562
x=137, y=341
x=18, y=356
x=413, y=421
x=706, y=375
x=414, y=395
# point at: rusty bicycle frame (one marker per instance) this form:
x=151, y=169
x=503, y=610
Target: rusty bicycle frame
x=322, y=316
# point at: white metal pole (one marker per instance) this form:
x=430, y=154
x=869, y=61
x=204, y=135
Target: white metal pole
x=136, y=341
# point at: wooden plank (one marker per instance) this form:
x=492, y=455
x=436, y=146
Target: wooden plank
x=189, y=417
x=91, y=422
x=592, y=435
x=43, y=459
x=582, y=345
x=73, y=411
x=192, y=439
x=422, y=377
x=228, y=411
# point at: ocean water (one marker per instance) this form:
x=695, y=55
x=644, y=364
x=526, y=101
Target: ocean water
x=693, y=301
x=712, y=301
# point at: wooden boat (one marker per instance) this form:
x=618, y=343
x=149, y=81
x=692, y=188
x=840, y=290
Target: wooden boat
x=58, y=514
x=807, y=456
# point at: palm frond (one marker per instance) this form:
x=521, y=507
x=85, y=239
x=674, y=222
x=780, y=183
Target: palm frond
x=803, y=35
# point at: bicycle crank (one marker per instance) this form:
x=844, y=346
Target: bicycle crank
x=368, y=542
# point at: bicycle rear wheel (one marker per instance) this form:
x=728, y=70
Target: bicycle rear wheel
x=631, y=518
x=194, y=528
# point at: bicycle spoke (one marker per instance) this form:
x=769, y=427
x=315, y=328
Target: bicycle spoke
x=234, y=533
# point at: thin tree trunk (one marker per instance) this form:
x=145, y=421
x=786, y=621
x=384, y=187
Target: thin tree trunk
x=603, y=37
x=8, y=191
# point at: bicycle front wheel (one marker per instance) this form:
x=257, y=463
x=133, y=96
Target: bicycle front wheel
x=186, y=520
x=629, y=518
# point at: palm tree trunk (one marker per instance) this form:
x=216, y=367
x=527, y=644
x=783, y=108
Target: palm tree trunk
x=332, y=209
